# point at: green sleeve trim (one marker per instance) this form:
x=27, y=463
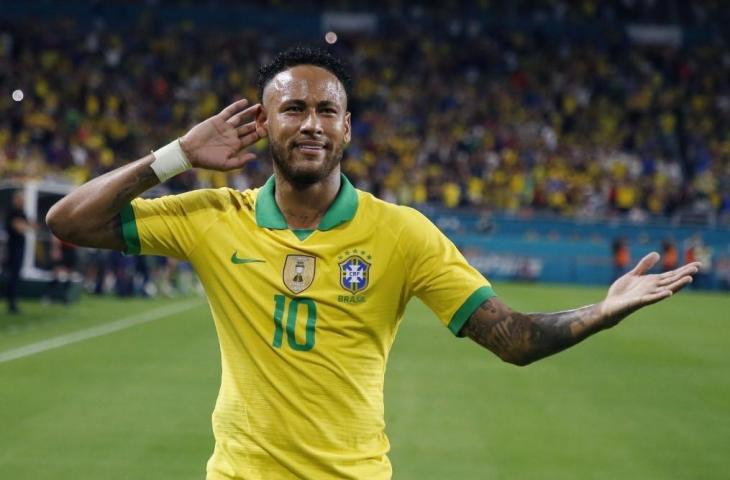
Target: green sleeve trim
x=129, y=230
x=468, y=307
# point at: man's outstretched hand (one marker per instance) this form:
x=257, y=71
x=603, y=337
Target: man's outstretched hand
x=637, y=289
x=218, y=143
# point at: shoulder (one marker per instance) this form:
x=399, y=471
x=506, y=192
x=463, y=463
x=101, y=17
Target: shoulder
x=221, y=198
x=400, y=220
x=216, y=199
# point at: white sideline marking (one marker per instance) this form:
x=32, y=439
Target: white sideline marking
x=93, y=332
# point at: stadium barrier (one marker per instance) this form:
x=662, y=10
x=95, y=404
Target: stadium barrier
x=559, y=250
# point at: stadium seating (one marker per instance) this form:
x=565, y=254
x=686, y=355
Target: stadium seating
x=524, y=108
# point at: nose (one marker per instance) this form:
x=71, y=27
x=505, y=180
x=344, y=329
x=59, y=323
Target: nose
x=311, y=124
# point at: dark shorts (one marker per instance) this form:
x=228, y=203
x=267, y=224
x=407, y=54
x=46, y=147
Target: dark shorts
x=13, y=260
x=69, y=258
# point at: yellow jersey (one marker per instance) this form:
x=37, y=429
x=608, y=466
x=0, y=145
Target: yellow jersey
x=305, y=319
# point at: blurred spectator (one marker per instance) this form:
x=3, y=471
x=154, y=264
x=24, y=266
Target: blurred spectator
x=690, y=252
x=17, y=225
x=697, y=251
x=670, y=256
x=64, y=260
x=621, y=257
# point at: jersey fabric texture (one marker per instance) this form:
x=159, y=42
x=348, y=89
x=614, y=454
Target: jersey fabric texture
x=305, y=319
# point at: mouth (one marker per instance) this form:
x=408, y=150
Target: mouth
x=310, y=146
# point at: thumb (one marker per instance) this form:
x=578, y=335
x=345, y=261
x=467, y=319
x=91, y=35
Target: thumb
x=646, y=263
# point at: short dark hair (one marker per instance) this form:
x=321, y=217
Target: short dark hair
x=304, y=56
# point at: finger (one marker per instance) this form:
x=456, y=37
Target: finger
x=663, y=283
x=646, y=263
x=246, y=128
x=675, y=286
x=233, y=108
x=669, y=277
x=237, y=119
x=655, y=297
x=238, y=161
x=249, y=139
x=694, y=266
x=679, y=284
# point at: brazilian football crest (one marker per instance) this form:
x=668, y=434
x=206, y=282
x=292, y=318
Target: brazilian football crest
x=298, y=272
x=354, y=274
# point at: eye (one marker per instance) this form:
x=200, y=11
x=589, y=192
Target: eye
x=293, y=108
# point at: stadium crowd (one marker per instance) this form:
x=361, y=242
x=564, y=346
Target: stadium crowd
x=455, y=114
x=458, y=118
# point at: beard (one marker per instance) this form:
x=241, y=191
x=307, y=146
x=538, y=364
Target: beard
x=304, y=175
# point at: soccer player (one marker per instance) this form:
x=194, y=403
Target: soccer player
x=308, y=277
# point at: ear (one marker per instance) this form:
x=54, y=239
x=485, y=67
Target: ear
x=348, y=127
x=262, y=122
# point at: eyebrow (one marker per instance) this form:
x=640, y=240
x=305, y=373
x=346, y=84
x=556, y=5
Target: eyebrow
x=321, y=104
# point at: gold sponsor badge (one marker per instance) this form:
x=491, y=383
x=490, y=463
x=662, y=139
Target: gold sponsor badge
x=298, y=272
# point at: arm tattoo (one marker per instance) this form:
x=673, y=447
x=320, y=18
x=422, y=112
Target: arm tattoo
x=142, y=181
x=112, y=230
x=89, y=215
x=523, y=338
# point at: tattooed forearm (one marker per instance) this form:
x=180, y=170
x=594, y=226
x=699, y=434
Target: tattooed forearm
x=89, y=215
x=140, y=182
x=521, y=338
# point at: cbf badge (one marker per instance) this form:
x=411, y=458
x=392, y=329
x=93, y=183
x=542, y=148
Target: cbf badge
x=354, y=274
x=298, y=272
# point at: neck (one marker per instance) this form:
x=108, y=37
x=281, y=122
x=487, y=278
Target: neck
x=304, y=207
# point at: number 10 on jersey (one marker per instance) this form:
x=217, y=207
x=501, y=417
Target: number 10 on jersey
x=291, y=322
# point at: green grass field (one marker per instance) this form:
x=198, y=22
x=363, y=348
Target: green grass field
x=649, y=399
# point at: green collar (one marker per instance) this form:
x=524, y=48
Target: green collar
x=342, y=209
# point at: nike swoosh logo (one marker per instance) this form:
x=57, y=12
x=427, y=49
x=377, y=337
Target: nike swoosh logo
x=236, y=260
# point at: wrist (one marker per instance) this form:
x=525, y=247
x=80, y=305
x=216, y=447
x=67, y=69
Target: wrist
x=170, y=160
x=187, y=151
x=606, y=317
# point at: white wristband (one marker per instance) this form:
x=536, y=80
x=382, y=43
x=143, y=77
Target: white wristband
x=170, y=160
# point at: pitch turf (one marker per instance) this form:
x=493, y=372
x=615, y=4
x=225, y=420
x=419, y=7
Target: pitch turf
x=649, y=399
